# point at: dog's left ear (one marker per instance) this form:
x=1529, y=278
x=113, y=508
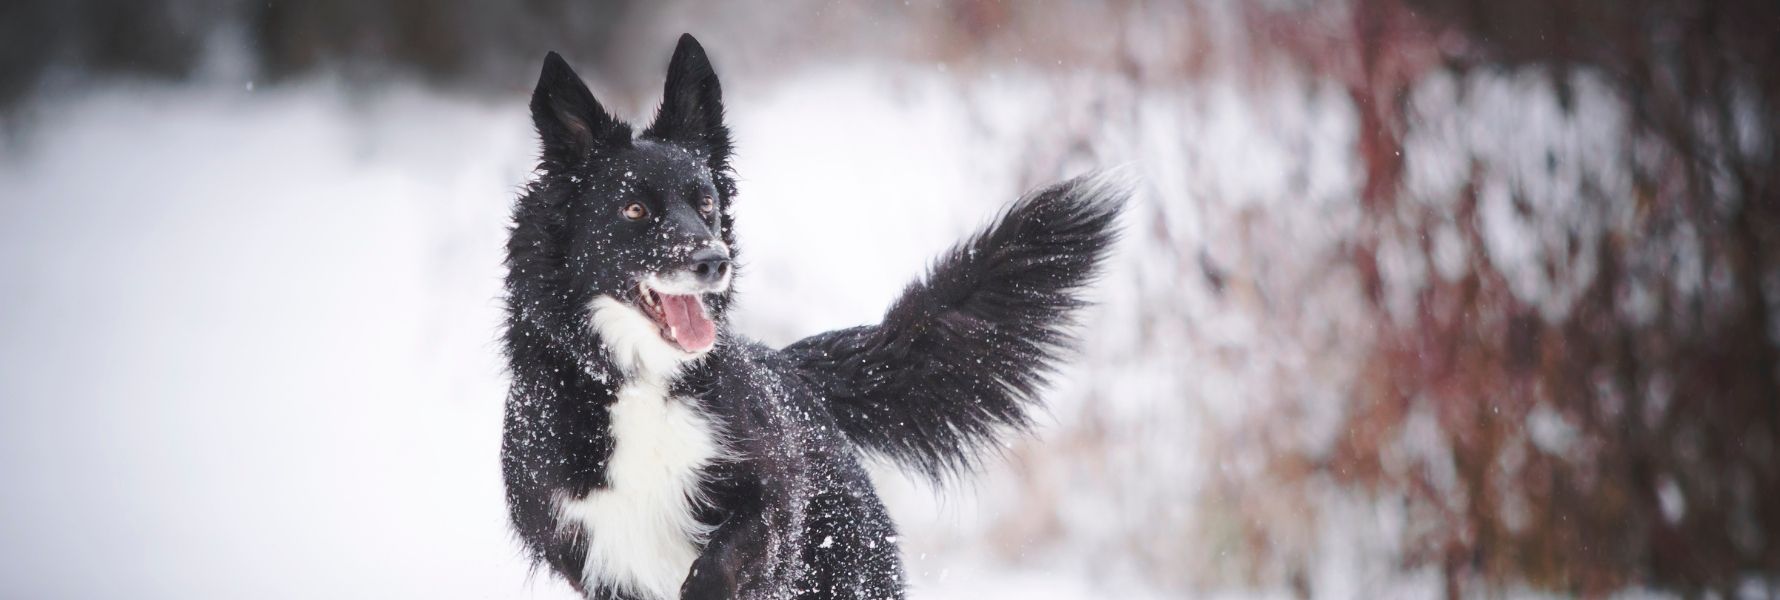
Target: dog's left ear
x=691, y=111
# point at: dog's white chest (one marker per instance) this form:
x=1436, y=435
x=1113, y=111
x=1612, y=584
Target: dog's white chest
x=641, y=534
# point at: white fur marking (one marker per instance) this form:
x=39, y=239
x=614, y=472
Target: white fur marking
x=682, y=282
x=641, y=534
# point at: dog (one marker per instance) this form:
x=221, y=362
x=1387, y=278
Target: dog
x=649, y=453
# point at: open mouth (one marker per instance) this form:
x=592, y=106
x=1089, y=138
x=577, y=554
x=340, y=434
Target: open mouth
x=682, y=318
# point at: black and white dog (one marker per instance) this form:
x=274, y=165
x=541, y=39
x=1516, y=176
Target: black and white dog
x=651, y=454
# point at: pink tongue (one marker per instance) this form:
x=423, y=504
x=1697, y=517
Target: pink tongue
x=687, y=322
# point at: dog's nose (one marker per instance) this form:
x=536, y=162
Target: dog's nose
x=710, y=263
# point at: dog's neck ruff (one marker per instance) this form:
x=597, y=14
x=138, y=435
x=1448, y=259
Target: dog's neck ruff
x=642, y=536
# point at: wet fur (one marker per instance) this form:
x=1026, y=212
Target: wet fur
x=626, y=459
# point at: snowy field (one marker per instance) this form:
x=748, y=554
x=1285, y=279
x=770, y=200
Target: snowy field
x=247, y=337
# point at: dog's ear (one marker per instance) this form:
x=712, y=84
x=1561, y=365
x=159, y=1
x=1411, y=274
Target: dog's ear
x=570, y=122
x=691, y=113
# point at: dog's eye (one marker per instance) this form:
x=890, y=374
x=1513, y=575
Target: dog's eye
x=707, y=205
x=635, y=211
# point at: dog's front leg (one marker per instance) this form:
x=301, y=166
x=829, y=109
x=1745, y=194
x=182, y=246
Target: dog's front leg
x=733, y=562
x=751, y=555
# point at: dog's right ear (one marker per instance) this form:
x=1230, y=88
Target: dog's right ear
x=570, y=122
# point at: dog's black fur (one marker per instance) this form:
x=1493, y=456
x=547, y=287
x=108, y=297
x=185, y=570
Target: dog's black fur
x=958, y=360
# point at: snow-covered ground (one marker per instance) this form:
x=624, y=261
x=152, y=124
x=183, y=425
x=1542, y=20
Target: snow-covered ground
x=247, y=337
x=247, y=347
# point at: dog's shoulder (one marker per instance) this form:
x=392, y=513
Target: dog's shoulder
x=758, y=393
x=746, y=370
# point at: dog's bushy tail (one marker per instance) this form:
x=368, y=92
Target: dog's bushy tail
x=963, y=354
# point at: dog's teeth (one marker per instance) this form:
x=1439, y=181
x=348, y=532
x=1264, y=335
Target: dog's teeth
x=647, y=295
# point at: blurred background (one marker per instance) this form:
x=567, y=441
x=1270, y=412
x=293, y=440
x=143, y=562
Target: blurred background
x=1419, y=298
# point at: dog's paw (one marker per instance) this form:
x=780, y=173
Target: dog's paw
x=710, y=579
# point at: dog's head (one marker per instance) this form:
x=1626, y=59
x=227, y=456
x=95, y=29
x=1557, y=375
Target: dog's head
x=632, y=231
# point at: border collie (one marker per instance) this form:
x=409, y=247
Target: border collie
x=651, y=454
